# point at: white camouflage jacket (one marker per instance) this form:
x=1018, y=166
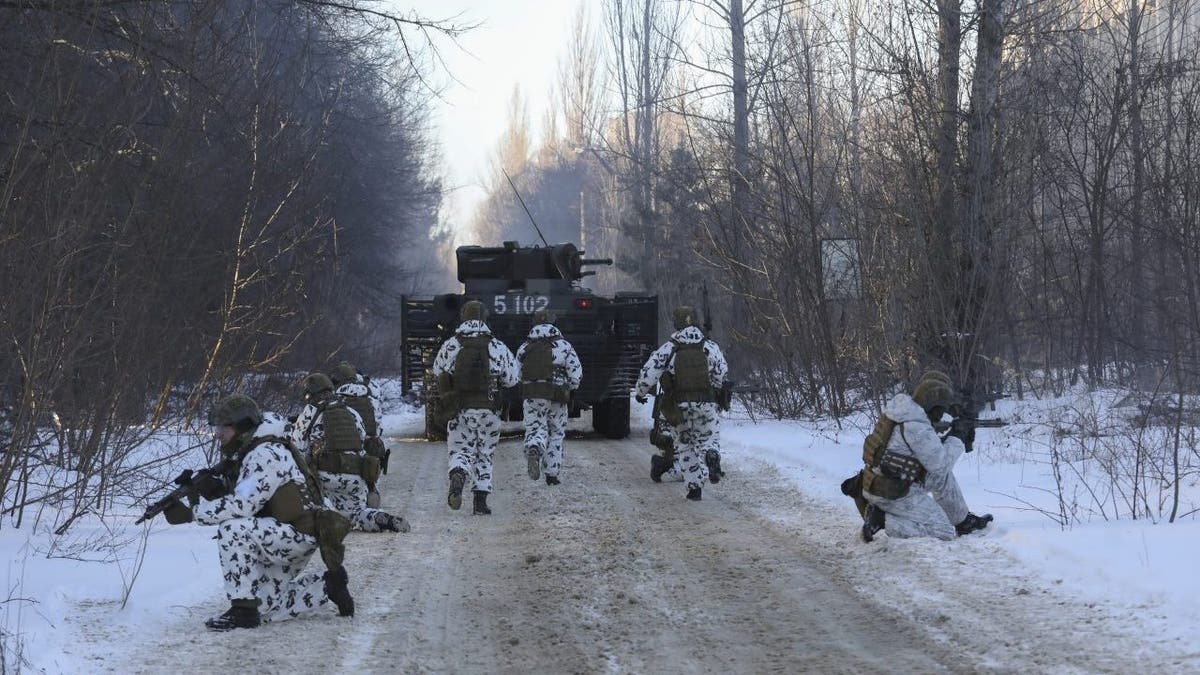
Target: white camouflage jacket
x=663, y=360
x=914, y=436
x=503, y=365
x=566, y=361
x=264, y=470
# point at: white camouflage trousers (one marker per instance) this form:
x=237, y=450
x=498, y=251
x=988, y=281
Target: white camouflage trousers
x=545, y=428
x=929, y=510
x=472, y=436
x=675, y=473
x=263, y=558
x=348, y=495
x=694, y=436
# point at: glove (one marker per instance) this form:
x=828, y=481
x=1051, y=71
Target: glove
x=964, y=432
x=209, y=486
x=641, y=398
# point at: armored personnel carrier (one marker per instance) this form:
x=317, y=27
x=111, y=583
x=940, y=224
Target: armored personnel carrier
x=613, y=336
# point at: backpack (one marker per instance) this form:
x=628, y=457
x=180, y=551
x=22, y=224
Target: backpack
x=538, y=371
x=472, y=383
x=362, y=406
x=690, y=382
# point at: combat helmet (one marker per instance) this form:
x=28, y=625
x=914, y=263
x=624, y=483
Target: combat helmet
x=933, y=393
x=683, y=316
x=316, y=384
x=235, y=409
x=472, y=311
x=345, y=373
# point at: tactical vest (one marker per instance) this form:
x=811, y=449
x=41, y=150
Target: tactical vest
x=472, y=381
x=362, y=406
x=341, y=433
x=538, y=371
x=690, y=382
x=888, y=474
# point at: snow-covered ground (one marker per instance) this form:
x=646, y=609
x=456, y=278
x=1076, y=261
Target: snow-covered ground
x=1140, y=573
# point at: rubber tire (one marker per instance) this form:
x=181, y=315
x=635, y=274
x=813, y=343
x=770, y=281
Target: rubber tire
x=610, y=418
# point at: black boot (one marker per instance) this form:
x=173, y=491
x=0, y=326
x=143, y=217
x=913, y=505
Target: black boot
x=694, y=494
x=972, y=522
x=481, y=507
x=551, y=480
x=389, y=523
x=241, y=614
x=337, y=589
x=712, y=458
x=457, y=478
x=658, y=466
x=873, y=522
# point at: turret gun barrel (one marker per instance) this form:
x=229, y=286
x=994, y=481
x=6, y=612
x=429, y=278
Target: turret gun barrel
x=596, y=261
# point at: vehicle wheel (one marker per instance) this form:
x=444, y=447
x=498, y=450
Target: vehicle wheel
x=433, y=430
x=610, y=417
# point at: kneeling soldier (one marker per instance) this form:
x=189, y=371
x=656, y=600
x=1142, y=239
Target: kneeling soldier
x=358, y=396
x=332, y=434
x=908, y=482
x=267, y=524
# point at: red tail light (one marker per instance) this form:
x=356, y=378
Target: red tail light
x=584, y=303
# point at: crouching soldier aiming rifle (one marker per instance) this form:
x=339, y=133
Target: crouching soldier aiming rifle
x=907, y=485
x=270, y=519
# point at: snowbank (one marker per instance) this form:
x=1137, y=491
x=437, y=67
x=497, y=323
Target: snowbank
x=1137, y=569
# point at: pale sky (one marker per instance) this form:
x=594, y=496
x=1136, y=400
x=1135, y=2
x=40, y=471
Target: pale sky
x=518, y=43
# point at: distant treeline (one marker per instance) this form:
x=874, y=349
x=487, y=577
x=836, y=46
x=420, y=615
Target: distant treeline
x=1010, y=190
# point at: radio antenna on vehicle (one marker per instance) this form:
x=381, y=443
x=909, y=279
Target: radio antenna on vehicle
x=518, y=194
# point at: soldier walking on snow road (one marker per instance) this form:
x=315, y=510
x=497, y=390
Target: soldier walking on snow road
x=691, y=369
x=550, y=371
x=472, y=367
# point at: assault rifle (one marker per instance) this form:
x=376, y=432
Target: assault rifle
x=966, y=418
x=190, y=485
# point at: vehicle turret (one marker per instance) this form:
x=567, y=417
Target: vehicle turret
x=512, y=267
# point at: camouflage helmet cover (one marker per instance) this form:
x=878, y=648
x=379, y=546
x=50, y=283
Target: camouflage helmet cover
x=473, y=311
x=937, y=375
x=544, y=316
x=345, y=373
x=233, y=409
x=683, y=316
x=315, y=383
x=933, y=393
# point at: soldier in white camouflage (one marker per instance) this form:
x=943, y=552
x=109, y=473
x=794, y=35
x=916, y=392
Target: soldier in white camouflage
x=332, y=434
x=265, y=515
x=908, y=482
x=691, y=369
x=472, y=367
x=352, y=389
x=550, y=371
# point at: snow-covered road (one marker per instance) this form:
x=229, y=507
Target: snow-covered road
x=612, y=573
